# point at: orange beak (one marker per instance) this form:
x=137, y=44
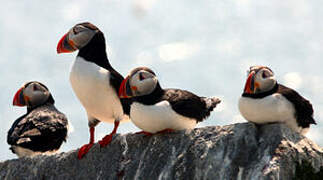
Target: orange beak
x=19, y=99
x=125, y=90
x=250, y=84
x=65, y=45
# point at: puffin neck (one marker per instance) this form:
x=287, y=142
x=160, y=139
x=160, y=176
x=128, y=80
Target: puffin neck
x=50, y=101
x=95, y=51
x=31, y=108
x=263, y=94
x=151, y=98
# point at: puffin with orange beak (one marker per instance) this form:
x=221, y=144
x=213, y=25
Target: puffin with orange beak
x=94, y=81
x=156, y=110
x=43, y=128
x=265, y=101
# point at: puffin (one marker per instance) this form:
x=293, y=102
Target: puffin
x=94, y=81
x=43, y=128
x=157, y=110
x=264, y=100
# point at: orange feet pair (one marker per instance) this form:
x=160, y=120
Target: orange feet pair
x=159, y=132
x=104, y=142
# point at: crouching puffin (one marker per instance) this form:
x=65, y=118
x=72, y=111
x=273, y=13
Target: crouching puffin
x=155, y=110
x=93, y=79
x=43, y=128
x=266, y=101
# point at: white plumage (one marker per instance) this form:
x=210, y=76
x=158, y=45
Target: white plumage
x=272, y=108
x=92, y=86
x=158, y=117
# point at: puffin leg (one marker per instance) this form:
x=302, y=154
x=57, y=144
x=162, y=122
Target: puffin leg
x=86, y=147
x=144, y=133
x=165, y=131
x=108, y=138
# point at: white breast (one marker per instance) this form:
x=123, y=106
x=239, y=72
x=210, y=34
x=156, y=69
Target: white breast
x=154, y=118
x=91, y=84
x=273, y=108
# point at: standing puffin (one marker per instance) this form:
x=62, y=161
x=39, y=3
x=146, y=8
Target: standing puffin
x=43, y=128
x=154, y=109
x=266, y=101
x=94, y=80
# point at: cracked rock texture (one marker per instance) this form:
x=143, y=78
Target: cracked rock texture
x=238, y=151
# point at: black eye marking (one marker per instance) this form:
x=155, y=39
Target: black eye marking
x=141, y=76
x=74, y=31
x=77, y=29
x=265, y=74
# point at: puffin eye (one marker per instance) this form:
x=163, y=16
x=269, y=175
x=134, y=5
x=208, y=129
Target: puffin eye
x=141, y=76
x=265, y=74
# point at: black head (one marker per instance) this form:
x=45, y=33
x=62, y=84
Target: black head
x=141, y=81
x=260, y=79
x=33, y=94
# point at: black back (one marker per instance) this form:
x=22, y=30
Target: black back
x=182, y=102
x=42, y=129
x=95, y=51
x=303, y=108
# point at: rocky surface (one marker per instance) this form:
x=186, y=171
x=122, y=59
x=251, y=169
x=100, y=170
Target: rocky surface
x=238, y=151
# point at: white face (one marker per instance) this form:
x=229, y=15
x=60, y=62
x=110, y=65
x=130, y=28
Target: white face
x=264, y=79
x=142, y=83
x=36, y=94
x=81, y=35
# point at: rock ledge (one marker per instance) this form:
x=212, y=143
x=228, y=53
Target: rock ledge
x=238, y=151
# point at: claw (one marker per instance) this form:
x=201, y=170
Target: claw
x=144, y=133
x=108, y=138
x=159, y=132
x=166, y=131
x=84, y=150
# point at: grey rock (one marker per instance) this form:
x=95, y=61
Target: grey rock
x=238, y=151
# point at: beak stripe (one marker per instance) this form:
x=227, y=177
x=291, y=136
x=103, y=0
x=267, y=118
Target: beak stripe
x=249, y=87
x=122, y=87
x=125, y=89
x=128, y=89
x=65, y=45
x=19, y=99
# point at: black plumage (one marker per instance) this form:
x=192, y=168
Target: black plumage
x=303, y=108
x=182, y=102
x=41, y=129
x=95, y=51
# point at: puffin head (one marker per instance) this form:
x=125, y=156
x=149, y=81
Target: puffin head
x=77, y=37
x=141, y=81
x=260, y=79
x=32, y=94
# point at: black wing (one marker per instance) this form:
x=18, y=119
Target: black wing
x=187, y=104
x=13, y=136
x=303, y=108
x=43, y=129
x=116, y=80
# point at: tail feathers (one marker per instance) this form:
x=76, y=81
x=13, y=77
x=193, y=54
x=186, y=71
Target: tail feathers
x=312, y=121
x=211, y=103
